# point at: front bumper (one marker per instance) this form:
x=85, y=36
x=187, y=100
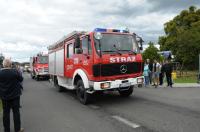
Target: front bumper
x=116, y=84
x=43, y=74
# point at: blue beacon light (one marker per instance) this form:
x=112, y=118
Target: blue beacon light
x=108, y=30
x=100, y=30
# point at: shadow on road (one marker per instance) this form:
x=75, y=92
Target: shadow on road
x=105, y=98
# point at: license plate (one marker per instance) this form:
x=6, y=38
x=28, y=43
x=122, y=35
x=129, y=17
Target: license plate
x=125, y=85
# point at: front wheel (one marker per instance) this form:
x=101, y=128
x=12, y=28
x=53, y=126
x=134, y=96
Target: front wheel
x=82, y=94
x=32, y=76
x=56, y=85
x=126, y=93
x=37, y=78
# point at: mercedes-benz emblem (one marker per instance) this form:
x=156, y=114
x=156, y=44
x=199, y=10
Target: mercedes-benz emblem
x=123, y=68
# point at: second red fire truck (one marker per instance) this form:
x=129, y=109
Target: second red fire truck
x=88, y=62
x=39, y=66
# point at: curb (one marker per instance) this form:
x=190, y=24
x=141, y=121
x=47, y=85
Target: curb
x=169, y=87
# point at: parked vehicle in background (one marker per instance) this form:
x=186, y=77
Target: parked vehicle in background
x=39, y=66
x=25, y=68
x=29, y=69
x=101, y=60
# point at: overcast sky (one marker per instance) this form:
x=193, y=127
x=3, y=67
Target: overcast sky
x=29, y=26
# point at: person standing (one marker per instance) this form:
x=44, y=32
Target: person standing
x=10, y=91
x=18, y=67
x=156, y=72
x=161, y=75
x=150, y=65
x=167, y=68
x=146, y=74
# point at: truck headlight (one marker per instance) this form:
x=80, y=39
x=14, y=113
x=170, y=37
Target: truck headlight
x=140, y=80
x=105, y=85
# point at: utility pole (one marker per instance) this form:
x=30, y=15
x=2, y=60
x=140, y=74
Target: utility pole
x=199, y=63
x=199, y=71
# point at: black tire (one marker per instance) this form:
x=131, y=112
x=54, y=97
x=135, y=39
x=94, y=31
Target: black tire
x=139, y=85
x=59, y=88
x=126, y=93
x=32, y=76
x=82, y=95
x=37, y=78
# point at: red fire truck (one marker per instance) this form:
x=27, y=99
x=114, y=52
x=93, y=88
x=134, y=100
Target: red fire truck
x=39, y=66
x=88, y=62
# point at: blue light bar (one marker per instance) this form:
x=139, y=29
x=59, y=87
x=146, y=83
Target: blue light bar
x=110, y=30
x=100, y=30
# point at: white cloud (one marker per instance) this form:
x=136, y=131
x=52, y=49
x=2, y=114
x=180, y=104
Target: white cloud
x=19, y=51
x=151, y=21
x=27, y=27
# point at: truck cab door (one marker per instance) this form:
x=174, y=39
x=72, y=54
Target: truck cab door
x=69, y=62
x=87, y=57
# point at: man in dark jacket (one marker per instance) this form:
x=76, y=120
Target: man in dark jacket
x=150, y=64
x=161, y=76
x=10, y=91
x=167, y=68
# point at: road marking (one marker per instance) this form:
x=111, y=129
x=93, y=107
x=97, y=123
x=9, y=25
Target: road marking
x=125, y=121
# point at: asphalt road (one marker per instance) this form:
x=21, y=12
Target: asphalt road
x=148, y=110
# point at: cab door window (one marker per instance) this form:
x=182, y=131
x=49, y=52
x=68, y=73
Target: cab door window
x=86, y=46
x=70, y=50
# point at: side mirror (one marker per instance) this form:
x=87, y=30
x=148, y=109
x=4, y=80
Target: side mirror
x=140, y=42
x=135, y=52
x=34, y=59
x=79, y=51
x=98, y=35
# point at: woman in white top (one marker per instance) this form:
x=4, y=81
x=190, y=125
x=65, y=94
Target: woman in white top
x=156, y=72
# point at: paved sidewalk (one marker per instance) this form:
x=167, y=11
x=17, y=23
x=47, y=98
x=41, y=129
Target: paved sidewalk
x=181, y=85
x=187, y=85
x=183, y=96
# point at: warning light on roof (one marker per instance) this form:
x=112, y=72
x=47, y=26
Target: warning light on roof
x=110, y=30
x=100, y=30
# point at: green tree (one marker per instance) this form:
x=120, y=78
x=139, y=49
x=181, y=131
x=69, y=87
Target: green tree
x=151, y=52
x=1, y=59
x=182, y=36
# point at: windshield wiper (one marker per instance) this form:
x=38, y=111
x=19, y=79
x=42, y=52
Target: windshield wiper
x=130, y=51
x=112, y=51
x=117, y=50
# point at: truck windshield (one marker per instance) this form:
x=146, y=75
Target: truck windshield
x=43, y=60
x=116, y=44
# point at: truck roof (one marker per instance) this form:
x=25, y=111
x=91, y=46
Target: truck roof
x=60, y=43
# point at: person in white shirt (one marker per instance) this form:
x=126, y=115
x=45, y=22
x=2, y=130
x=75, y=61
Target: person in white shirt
x=156, y=72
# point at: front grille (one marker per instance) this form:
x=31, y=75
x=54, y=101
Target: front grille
x=116, y=69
